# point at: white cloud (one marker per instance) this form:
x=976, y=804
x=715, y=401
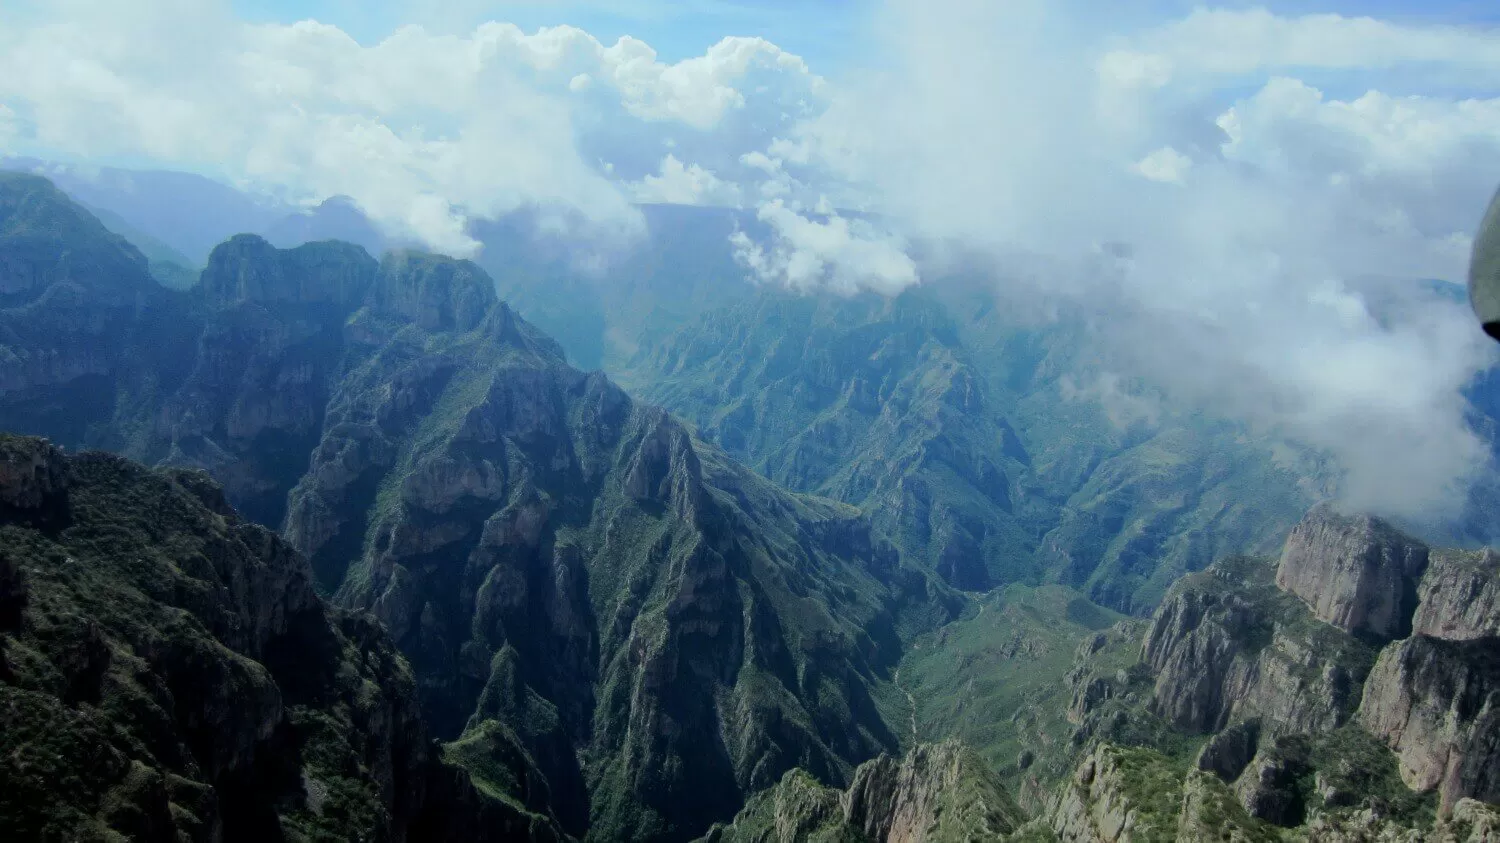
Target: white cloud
x=685, y=184
x=699, y=90
x=1164, y=165
x=999, y=127
x=421, y=130
x=1123, y=408
x=760, y=161
x=836, y=254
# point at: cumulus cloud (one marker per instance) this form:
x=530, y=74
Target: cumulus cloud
x=833, y=253
x=422, y=130
x=685, y=184
x=1002, y=127
x=1164, y=165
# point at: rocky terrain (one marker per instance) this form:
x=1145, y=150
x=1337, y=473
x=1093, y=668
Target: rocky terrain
x=1355, y=573
x=937, y=792
x=577, y=582
x=397, y=570
x=958, y=424
x=871, y=401
x=1236, y=712
x=167, y=671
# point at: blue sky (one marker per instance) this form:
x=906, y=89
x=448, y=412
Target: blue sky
x=818, y=30
x=815, y=30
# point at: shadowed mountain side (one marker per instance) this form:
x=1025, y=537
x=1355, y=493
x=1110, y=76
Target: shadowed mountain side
x=167, y=672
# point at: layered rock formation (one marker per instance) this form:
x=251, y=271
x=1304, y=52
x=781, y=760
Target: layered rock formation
x=1120, y=795
x=1355, y=572
x=622, y=633
x=1227, y=646
x=168, y=672
x=1437, y=704
x=77, y=305
x=1229, y=650
x=1460, y=596
x=252, y=405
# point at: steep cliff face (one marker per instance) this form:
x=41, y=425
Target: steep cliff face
x=168, y=673
x=1460, y=596
x=1355, y=572
x=554, y=557
x=232, y=376
x=1129, y=794
x=1303, y=716
x=1227, y=646
x=1120, y=795
x=252, y=406
x=937, y=792
x=1437, y=704
x=48, y=240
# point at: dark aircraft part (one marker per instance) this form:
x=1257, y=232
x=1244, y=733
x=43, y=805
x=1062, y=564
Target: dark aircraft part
x=1484, y=271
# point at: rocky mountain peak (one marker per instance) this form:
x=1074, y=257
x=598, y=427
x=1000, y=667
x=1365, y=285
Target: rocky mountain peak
x=434, y=292
x=1357, y=573
x=246, y=268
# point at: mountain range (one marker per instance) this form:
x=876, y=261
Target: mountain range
x=323, y=545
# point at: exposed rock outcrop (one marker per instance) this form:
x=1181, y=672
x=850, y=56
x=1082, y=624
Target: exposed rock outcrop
x=247, y=269
x=1471, y=822
x=558, y=559
x=549, y=555
x=1460, y=596
x=1229, y=752
x=1119, y=795
x=937, y=792
x=1437, y=704
x=1355, y=572
x=1226, y=646
x=1269, y=786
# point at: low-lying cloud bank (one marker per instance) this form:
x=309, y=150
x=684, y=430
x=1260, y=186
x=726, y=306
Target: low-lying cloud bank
x=1248, y=222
